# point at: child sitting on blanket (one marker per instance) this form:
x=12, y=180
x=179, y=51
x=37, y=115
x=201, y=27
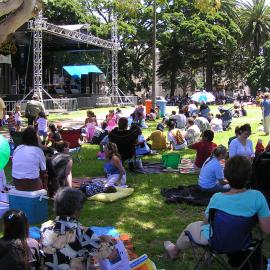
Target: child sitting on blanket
x=204, y=148
x=115, y=172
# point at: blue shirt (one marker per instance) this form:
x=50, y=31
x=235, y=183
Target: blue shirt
x=245, y=204
x=110, y=168
x=266, y=107
x=210, y=173
x=237, y=148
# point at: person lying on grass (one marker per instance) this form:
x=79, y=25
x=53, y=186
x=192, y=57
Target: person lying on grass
x=211, y=178
x=204, y=148
x=239, y=201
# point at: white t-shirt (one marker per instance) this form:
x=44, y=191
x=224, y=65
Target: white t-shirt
x=237, y=148
x=180, y=119
x=192, y=107
x=172, y=140
x=27, y=162
x=42, y=124
x=216, y=125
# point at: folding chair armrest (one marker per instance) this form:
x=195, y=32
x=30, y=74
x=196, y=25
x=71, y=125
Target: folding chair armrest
x=191, y=239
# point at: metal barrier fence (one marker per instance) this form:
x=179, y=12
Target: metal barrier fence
x=55, y=105
x=124, y=100
x=91, y=102
x=73, y=104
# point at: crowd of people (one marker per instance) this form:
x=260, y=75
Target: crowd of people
x=43, y=161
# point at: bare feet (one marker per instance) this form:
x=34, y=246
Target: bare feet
x=172, y=250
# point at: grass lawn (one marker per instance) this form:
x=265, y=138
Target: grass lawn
x=144, y=215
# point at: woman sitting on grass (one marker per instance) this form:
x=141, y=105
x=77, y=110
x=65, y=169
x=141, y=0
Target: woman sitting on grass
x=211, y=176
x=17, y=250
x=158, y=138
x=59, y=168
x=242, y=145
x=28, y=163
x=177, y=141
x=115, y=172
x=193, y=132
x=239, y=201
x=65, y=242
x=204, y=148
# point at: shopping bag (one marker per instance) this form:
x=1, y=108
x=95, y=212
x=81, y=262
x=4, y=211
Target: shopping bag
x=120, y=262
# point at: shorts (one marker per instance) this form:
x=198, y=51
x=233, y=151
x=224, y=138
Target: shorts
x=112, y=179
x=42, y=133
x=19, y=123
x=28, y=184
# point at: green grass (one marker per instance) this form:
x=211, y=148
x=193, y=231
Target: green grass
x=144, y=215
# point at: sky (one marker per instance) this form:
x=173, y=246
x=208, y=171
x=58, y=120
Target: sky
x=267, y=1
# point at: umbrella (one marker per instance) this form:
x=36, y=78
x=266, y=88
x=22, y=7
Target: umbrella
x=203, y=96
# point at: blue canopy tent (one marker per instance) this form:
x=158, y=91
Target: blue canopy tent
x=89, y=76
x=78, y=71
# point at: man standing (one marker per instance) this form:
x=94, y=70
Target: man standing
x=266, y=113
x=33, y=108
x=2, y=112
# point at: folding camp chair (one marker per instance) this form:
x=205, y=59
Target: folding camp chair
x=260, y=174
x=72, y=136
x=228, y=235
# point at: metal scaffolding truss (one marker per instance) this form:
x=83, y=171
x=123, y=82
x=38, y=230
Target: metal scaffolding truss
x=77, y=36
x=40, y=25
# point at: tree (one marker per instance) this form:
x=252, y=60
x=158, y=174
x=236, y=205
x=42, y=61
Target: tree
x=64, y=11
x=255, y=25
x=15, y=13
x=134, y=30
x=259, y=74
x=202, y=39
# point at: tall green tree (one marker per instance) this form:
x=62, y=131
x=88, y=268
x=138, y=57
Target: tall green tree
x=255, y=25
x=203, y=39
x=259, y=74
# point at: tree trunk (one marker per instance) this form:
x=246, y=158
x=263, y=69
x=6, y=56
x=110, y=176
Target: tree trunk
x=209, y=68
x=18, y=17
x=9, y=6
x=172, y=83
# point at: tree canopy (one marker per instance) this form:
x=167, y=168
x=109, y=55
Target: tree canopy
x=200, y=42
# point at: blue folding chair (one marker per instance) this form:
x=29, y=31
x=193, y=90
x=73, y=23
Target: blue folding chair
x=228, y=235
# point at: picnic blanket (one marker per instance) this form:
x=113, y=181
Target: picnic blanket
x=186, y=166
x=191, y=194
x=153, y=168
x=102, y=197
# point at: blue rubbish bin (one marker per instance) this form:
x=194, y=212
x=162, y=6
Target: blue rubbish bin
x=162, y=107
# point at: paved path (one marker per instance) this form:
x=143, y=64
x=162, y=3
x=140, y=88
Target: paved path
x=79, y=121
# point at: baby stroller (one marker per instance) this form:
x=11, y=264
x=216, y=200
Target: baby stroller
x=226, y=117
